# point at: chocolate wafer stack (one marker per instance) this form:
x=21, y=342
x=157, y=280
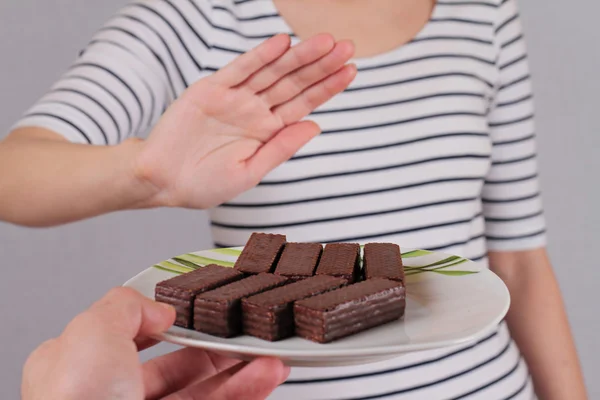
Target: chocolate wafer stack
x=269, y=315
x=261, y=253
x=383, y=260
x=181, y=291
x=341, y=260
x=349, y=310
x=299, y=260
x=277, y=289
x=219, y=312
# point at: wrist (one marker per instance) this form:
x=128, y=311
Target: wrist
x=144, y=193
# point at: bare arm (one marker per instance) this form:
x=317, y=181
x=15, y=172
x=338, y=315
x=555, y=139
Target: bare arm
x=538, y=323
x=45, y=180
x=218, y=139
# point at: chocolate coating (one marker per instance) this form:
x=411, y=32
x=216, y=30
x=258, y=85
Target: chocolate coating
x=383, y=260
x=349, y=310
x=299, y=260
x=181, y=290
x=218, y=312
x=261, y=253
x=269, y=315
x=341, y=260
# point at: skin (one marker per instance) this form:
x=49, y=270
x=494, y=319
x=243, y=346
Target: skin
x=227, y=130
x=539, y=325
x=115, y=328
x=240, y=148
x=386, y=26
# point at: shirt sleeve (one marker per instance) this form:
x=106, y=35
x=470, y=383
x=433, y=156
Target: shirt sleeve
x=120, y=84
x=512, y=204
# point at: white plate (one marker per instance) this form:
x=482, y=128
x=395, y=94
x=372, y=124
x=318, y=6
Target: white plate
x=450, y=301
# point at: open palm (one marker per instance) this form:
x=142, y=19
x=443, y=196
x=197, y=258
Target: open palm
x=228, y=130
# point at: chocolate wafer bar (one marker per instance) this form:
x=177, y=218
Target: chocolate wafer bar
x=269, y=315
x=383, y=260
x=261, y=253
x=299, y=260
x=219, y=311
x=349, y=310
x=341, y=260
x=181, y=290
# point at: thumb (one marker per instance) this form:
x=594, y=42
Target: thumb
x=126, y=313
x=281, y=148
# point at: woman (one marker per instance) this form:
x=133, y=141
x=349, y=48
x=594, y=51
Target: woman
x=431, y=146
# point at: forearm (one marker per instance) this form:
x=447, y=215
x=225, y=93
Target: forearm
x=538, y=323
x=46, y=181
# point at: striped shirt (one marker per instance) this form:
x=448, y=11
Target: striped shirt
x=432, y=146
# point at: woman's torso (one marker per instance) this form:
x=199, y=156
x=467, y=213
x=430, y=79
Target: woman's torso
x=403, y=156
x=404, y=151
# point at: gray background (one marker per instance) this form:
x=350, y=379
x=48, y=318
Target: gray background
x=52, y=274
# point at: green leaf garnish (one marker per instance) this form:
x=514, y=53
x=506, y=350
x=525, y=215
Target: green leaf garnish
x=416, y=253
x=172, y=267
x=441, y=269
x=187, y=263
x=441, y=262
x=456, y=273
x=228, y=252
x=202, y=261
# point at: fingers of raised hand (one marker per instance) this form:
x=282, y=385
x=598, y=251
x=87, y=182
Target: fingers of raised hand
x=300, y=80
x=244, y=66
x=301, y=55
x=304, y=103
x=279, y=149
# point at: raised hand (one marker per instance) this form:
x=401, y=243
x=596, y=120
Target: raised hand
x=228, y=130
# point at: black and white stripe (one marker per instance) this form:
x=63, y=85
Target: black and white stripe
x=432, y=146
